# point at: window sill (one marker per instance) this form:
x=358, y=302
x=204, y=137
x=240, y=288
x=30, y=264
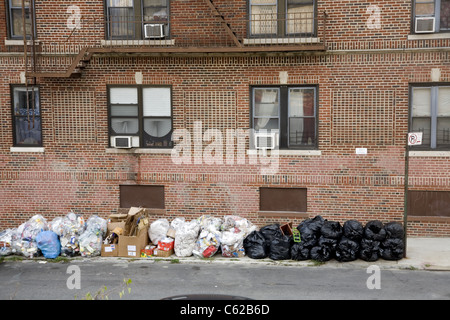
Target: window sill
x=428, y=218
x=287, y=152
x=169, y=42
x=139, y=151
x=19, y=42
x=27, y=149
x=429, y=36
x=429, y=153
x=283, y=214
x=281, y=40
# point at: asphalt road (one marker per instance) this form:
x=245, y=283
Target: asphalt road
x=154, y=280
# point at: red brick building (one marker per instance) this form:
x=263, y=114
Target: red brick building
x=172, y=104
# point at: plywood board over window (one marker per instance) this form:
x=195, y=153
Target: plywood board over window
x=429, y=203
x=283, y=199
x=142, y=196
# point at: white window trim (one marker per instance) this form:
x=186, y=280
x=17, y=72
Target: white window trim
x=168, y=42
x=27, y=149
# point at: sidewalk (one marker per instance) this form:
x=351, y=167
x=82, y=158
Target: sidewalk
x=422, y=254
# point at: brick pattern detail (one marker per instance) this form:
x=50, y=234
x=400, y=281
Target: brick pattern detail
x=74, y=116
x=363, y=117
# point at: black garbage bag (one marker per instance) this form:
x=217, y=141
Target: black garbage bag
x=392, y=249
x=331, y=230
x=271, y=231
x=321, y=253
x=310, y=230
x=255, y=245
x=331, y=243
x=394, y=230
x=353, y=230
x=280, y=248
x=374, y=230
x=347, y=250
x=369, y=250
x=299, y=251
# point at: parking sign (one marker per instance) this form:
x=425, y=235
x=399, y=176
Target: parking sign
x=414, y=138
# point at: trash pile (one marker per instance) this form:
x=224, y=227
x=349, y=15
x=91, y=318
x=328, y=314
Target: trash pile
x=323, y=240
x=134, y=234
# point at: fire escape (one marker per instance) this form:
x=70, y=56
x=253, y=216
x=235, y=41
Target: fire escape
x=234, y=43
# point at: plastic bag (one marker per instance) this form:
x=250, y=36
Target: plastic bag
x=310, y=230
x=6, y=238
x=158, y=230
x=300, y=252
x=369, y=250
x=321, y=253
x=73, y=226
x=280, y=248
x=392, y=249
x=331, y=230
x=331, y=243
x=353, y=230
x=255, y=245
x=206, y=245
x=235, y=230
x=394, y=230
x=186, y=236
x=374, y=230
x=33, y=227
x=271, y=231
x=347, y=250
x=48, y=243
x=56, y=225
x=90, y=241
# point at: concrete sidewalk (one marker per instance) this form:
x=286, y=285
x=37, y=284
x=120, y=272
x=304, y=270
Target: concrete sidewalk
x=422, y=254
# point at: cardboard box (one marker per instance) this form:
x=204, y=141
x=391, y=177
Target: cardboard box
x=163, y=253
x=287, y=229
x=110, y=250
x=131, y=246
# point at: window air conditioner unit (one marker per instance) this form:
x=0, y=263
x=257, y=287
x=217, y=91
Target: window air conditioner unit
x=153, y=31
x=425, y=25
x=124, y=142
x=265, y=141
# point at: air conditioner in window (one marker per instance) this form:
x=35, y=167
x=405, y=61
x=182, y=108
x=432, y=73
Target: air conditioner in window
x=265, y=141
x=153, y=31
x=425, y=24
x=124, y=142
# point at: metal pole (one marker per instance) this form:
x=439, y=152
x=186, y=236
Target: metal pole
x=405, y=208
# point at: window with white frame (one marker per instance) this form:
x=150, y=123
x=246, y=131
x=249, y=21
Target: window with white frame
x=289, y=112
x=281, y=18
x=144, y=112
x=431, y=16
x=430, y=114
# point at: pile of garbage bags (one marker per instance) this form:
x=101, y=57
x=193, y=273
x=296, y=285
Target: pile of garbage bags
x=323, y=240
x=67, y=236
x=233, y=236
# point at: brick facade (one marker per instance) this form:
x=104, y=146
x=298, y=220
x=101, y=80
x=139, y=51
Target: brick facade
x=363, y=84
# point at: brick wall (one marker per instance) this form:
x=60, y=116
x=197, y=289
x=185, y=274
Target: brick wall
x=363, y=102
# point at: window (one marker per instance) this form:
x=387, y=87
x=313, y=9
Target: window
x=282, y=199
x=15, y=19
x=431, y=16
x=430, y=114
x=26, y=113
x=141, y=111
x=137, y=19
x=281, y=17
x=290, y=112
x=142, y=196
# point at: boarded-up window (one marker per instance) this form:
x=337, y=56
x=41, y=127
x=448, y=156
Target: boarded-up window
x=142, y=196
x=282, y=199
x=429, y=203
